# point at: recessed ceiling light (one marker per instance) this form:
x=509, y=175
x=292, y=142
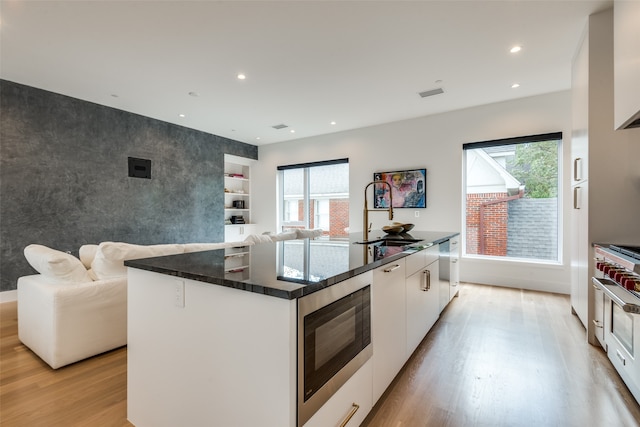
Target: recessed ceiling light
x=292, y=131
x=241, y=76
x=515, y=85
x=182, y=115
x=516, y=49
x=257, y=137
x=333, y=123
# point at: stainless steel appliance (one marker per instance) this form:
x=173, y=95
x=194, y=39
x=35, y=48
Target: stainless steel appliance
x=334, y=341
x=617, y=309
x=445, y=273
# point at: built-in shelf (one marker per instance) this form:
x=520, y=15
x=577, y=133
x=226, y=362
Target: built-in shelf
x=237, y=190
x=236, y=263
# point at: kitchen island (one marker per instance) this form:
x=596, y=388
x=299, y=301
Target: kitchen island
x=205, y=349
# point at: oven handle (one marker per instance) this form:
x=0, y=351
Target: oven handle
x=620, y=296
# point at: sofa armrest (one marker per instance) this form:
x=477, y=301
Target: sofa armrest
x=66, y=323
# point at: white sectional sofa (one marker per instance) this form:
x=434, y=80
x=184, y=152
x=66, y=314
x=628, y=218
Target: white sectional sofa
x=77, y=308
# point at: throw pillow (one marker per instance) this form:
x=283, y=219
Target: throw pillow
x=56, y=266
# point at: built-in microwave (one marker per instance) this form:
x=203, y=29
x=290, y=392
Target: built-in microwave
x=334, y=341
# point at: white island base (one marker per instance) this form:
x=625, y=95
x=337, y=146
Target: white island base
x=206, y=355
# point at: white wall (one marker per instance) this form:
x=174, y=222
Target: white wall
x=434, y=142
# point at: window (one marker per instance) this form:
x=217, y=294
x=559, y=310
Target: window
x=511, y=189
x=315, y=195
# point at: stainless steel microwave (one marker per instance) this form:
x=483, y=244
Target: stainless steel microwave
x=334, y=341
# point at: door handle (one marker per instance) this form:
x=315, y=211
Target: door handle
x=426, y=283
x=390, y=269
x=354, y=409
x=576, y=194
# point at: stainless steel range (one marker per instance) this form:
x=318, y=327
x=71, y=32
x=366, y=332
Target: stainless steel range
x=617, y=309
x=620, y=264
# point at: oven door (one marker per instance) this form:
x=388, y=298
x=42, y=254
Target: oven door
x=334, y=341
x=622, y=332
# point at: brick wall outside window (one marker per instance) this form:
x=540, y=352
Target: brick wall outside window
x=494, y=226
x=338, y=212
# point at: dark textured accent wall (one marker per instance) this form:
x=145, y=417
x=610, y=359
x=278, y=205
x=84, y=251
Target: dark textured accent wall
x=64, y=177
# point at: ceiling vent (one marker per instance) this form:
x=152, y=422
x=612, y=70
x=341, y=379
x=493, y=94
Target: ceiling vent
x=280, y=126
x=431, y=92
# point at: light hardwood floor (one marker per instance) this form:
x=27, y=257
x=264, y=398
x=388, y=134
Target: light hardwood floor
x=506, y=357
x=497, y=357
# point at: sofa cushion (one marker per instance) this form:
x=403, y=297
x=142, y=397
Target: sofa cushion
x=285, y=235
x=55, y=266
x=307, y=233
x=87, y=254
x=257, y=238
x=110, y=256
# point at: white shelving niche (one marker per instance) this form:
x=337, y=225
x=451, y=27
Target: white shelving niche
x=236, y=263
x=237, y=197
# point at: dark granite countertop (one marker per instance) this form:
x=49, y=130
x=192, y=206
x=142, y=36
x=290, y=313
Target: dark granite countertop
x=293, y=268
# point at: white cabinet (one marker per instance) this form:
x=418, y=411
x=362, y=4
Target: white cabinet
x=626, y=35
x=599, y=320
x=580, y=282
x=454, y=266
x=579, y=182
x=422, y=296
x=388, y=324
x=604, y=163
x=352, y=401
x=237, y=198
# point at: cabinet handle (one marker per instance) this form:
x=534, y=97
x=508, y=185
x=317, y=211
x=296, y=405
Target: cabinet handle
x=455, y=242
x=595, y=322
x=390, y=269
x=576, y=173
x=353, y=411
x=454, y=260
x=426, y=283
x=576, y=193
x=621, y=357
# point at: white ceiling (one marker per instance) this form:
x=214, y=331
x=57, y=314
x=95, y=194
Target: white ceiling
x=358, y=63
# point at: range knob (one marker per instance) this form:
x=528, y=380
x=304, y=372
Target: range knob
x=631, y=283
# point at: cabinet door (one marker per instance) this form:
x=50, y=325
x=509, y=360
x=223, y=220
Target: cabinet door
x=580, y=114
x=454, y=266
x=423, y=291
x=599, y=319
x=351, y=403
x=237, y=233
x=626, y=61
x=580, y=281
x=388, y=324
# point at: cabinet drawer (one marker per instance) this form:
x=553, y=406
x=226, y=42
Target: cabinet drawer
x=415, y=262
x=353, y=399
x=420, y=260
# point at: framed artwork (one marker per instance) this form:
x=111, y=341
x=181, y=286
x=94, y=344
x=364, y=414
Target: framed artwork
x=408, y=188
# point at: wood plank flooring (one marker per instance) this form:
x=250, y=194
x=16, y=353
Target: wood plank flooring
x=506, y=357
x=89, y=393
x=497, y=357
